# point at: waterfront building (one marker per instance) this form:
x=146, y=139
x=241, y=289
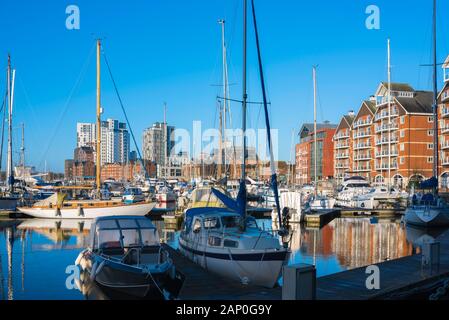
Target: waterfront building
x=443, y=116
x=363, y=134
x=403, y=135
x=158, y=143
x=343, y=147
x=126, y=172
x=305, y=156
x=85, y=135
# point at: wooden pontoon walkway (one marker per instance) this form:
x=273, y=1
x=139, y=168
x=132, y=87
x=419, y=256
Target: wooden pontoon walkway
x=396, y=276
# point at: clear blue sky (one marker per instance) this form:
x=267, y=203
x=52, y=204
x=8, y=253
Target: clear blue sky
x=169, y=50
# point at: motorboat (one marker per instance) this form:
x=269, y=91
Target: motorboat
x=320, y=202
x=125, y=255
x=133, y=195
x=165, y=195
x=381, y=197
x=214, y=239
x=351, y=188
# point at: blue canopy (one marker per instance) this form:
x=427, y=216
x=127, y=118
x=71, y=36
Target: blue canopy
x=429, y=184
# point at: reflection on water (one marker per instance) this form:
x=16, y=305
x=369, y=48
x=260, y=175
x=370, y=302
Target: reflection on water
x=35, y=253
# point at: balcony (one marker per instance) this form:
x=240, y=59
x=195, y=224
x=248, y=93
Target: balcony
x=385, y=128
x=445, y=145
x=342, y=166
x=362, y=157
x=387, y=153
x=445, y=129
x=445, y=112
x=387, y=141
x=341, y=136
x=362, y=123
x=361, y=135
x=362, y=169
x=385, y=114
x=445, y=161
x=342, y=156
x=361, y=146
x=384, y=166
x=342, y=146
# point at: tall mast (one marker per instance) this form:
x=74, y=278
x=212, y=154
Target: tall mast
x=22, y=150
x=389, y=115
x=245, y=95
x=315, y=151
x=165, y=140
x=99, y=111
x=225, y=87
x=11, y=79
x=435, y=97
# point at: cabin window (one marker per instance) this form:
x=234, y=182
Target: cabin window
x=108, y=239
x=214, y=241
x=230, y=243
x=130, y=238
x=149, y=237
x=212, y=223
x=231, y=222
x=197, y=226
x=128, y=224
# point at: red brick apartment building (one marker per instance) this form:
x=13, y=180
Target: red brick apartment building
x=388, y=141
x=443, y=116
x=305, y=155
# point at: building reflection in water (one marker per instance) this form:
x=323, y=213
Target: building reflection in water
x=351, y=242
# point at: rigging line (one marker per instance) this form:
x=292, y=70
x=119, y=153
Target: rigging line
x=240, y=101
x=67, y=103
x=3, y=129
x=124, y=113
x=267, y=120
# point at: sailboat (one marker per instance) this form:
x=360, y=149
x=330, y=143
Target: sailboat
x=9, y=199
x=226, y=241
x=317, y=202
x=56, y=207
x=434, y=211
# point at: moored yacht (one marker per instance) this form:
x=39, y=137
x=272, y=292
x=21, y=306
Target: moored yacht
x=349, y=189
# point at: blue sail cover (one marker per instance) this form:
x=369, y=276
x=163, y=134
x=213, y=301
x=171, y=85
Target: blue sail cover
x=429, y=184
x=237, y=205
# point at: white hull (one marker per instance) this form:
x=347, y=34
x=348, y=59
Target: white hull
x=253, y=272
x=89, y=213
x=166, y=197
x=424, y=216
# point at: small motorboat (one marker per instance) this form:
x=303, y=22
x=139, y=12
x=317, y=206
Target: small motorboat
x=125, y=255
x=133, y=195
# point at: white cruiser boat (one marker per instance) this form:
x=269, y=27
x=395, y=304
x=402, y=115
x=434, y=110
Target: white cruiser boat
x=213, y=238
x=380, y=196
x=133, y=195
x=351, y=188
x=428, y=213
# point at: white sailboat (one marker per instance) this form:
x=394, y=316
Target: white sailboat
x=435, y=211
x=317, y=202
x=56, y=207
x=226, y=241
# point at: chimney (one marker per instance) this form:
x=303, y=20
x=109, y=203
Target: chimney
x=351, y=113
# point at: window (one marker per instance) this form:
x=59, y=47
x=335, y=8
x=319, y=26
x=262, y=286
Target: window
x=231, y=244
x=197, y=226
x=430, y=160
x=430, y=133
x=402, y=160
x=430, y=146
x=214, y=241
x=402, y=119
x=402, y=147
x=212, y=223
x=402, y=133
x=430, y=119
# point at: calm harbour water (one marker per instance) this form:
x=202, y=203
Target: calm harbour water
x=35, y=253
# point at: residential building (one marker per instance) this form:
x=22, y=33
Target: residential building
x=363, y=135
x=305, y=158
x=158, y=143
x=343, y=147
x=443, y=116
x=404, y=135
x=85, y=135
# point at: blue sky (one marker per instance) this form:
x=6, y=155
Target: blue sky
x=169, y=51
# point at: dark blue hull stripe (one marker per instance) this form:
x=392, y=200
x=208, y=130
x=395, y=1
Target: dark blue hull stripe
x=269, y=256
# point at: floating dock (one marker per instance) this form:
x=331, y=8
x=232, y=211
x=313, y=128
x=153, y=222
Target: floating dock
x=399, y=279
x=318, y=219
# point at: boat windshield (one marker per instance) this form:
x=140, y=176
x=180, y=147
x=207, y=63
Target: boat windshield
x=124, y=233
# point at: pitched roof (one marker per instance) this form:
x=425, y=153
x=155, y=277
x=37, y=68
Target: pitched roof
x=371, y=105
x=396, y=86
x=420, y=103
x=349, y=118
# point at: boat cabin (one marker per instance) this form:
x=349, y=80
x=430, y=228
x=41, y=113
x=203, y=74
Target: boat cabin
x=134, y=239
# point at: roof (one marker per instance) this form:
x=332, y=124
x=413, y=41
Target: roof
x=349, y=118
x=309, y=127
x=420, y=103
x=446, y=63
x=371, y=105
x=397, y=86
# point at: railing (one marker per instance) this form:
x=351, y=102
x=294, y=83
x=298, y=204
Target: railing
x=383, y=128
x=445, y=129
x=361, y=135
x=361, y=169
x=386, y=153
x=385, y=166
x=362, y=157
x=445, y=161
x=359, y=146
x=362, y=123
x=384, y=114
x=341, y=136
x=342, y=146
x=342, y=166
x=445, y=145
x=342, y=156
x=387, y=141
x=445, y=112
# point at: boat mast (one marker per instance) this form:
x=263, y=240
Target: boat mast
x=99, y=111
x=11, y=79
x=435, y=97
x=165, y=141
x=315, y=151
x=22, y=150
x=389, y=116
x=244, y=105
